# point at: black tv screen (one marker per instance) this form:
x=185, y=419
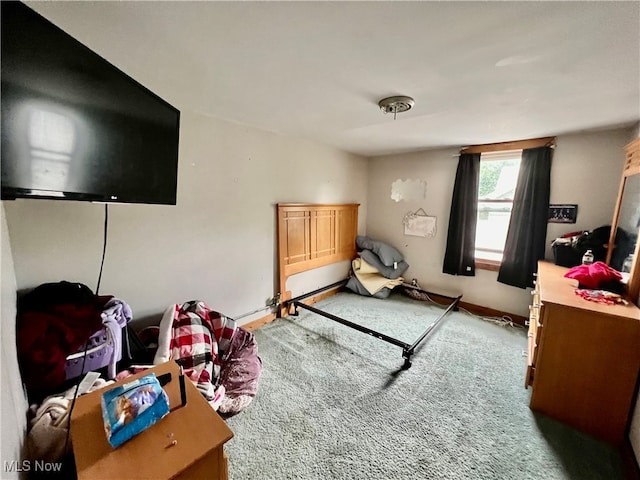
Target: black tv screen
x=74, y=126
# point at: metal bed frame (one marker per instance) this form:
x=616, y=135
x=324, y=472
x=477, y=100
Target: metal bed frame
x=408, y=349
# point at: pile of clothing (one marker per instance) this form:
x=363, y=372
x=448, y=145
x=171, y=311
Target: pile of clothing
x=595, y=276
x=570, y=247
x=217, y=355
x=49, y=424
x=378, y=268
x=57, y=320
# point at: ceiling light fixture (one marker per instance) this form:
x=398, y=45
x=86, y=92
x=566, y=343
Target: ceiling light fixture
x=396, y=105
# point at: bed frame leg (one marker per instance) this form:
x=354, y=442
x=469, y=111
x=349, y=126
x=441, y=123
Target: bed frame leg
x=407, y=359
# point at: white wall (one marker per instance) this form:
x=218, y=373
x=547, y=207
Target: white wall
x=218, y=244
x=13, y=402
x=586, y=170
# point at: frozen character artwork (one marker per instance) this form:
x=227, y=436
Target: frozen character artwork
x=128, y=407
x=133, y=407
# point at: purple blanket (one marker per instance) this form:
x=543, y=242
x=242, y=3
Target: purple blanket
x=242, y=367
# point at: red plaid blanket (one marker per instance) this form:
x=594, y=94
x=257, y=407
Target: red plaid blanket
x=199, y=342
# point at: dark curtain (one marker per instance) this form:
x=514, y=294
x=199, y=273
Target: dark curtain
x=459, y=257
x=525, y=243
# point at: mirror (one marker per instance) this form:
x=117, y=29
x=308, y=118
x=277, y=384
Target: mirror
x=408, y=190
x=628, y=223
x=623, y=253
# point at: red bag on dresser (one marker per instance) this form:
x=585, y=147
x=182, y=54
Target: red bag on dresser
x=594, y=275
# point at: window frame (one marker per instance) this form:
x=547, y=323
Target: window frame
x=494, y=265
x=487, y=263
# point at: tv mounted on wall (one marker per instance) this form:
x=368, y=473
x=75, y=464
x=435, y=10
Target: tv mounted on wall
x=74, y=126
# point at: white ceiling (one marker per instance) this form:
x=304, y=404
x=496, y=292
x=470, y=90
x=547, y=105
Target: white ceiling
x=480, y=72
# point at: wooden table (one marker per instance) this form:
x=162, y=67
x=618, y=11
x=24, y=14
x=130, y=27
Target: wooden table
x=199, y=431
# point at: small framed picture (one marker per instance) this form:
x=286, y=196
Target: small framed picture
x=566, y=213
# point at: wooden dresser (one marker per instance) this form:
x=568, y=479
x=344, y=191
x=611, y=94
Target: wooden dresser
x=583, y=357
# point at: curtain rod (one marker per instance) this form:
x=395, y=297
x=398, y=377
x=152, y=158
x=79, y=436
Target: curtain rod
x=517, y=145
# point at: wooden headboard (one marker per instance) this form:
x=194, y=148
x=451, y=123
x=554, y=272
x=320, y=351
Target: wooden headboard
x=314, y=235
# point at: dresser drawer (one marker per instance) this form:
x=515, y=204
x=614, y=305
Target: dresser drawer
x=528, y=382
x=531, y=350
x=535, y=297
x=532, y=357
x=533, y=336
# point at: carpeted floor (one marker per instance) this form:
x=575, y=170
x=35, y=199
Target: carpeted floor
x=334, y=404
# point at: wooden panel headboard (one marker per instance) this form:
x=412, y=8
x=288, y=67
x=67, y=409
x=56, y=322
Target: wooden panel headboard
x=314, y=235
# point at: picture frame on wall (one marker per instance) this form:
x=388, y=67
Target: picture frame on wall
x=563, y=213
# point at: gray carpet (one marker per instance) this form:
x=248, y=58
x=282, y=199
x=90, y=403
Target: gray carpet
x=333, y=403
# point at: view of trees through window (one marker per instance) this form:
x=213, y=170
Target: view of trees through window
x=498, y=177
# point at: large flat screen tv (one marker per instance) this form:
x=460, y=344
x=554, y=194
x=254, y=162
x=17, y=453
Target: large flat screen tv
x=74, y=126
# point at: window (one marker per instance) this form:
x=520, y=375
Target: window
x=498, y=178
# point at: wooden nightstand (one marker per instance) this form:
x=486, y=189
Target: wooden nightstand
x=199, y=431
